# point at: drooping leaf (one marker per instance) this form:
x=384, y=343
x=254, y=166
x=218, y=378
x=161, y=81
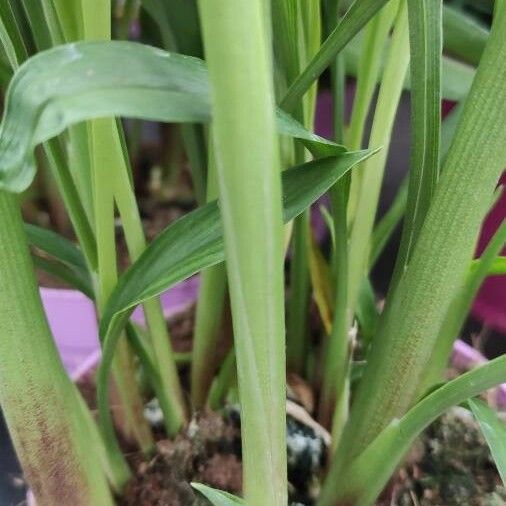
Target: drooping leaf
x=76, y=82
x=494, y=430
x=218, y=497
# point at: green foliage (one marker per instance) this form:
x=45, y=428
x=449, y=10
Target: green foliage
x=494, y=430
x=65, y=81
x=218, y=497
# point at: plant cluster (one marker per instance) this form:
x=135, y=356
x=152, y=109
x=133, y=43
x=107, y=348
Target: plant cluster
x=245, y=117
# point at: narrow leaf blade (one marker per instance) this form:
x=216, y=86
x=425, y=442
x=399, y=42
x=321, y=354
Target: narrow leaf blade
x=494, y=431
x=218, y=497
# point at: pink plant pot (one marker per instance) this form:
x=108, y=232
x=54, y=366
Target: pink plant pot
x=73, y=321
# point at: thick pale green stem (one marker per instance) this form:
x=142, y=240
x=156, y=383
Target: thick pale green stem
x=172, y=403
x=97, y=26
x=372, y=175
x=298, y=314
x=209, y=314
x=237, y=44
x=52, y=439
x=334, y=395
x=131, y=406
x=373, y=47
x=416, y=310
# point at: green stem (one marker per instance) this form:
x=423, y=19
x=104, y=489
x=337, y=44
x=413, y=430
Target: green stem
x=73, y=203
x=373, y=47
x=357, y=16
x=123, y=369
x=250, y=199
x=372, y=175
x=173, y=403
x=298, y=324
x=223, y=381
x=208, y=321
x=334, y=396
x=52, y=439
x=414, y=313
x=209, y=314
x=96, y=24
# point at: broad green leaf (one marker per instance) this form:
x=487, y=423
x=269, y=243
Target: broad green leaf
x=464, y=37
x=193, y=243
x=357, y=16
x=361, y=481
x=218, y=497
x=426, y=45
x=494, y=430
x=86, y=80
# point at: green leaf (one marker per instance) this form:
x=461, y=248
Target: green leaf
x=494, y=430
x=63, y=273
x=357, y=16
x=412, y=319
x=426, y=45
x=460, y=306
x=70, y=266
x=498, y=267
x=218, y=497
x=464, y=37
x=56, y=246
x=362, y=480
x=386, y=226
x=11, y=36
x=76, y=82
x=457, y=77
x=195, y=242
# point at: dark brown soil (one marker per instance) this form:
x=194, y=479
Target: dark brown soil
x=207, y=451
